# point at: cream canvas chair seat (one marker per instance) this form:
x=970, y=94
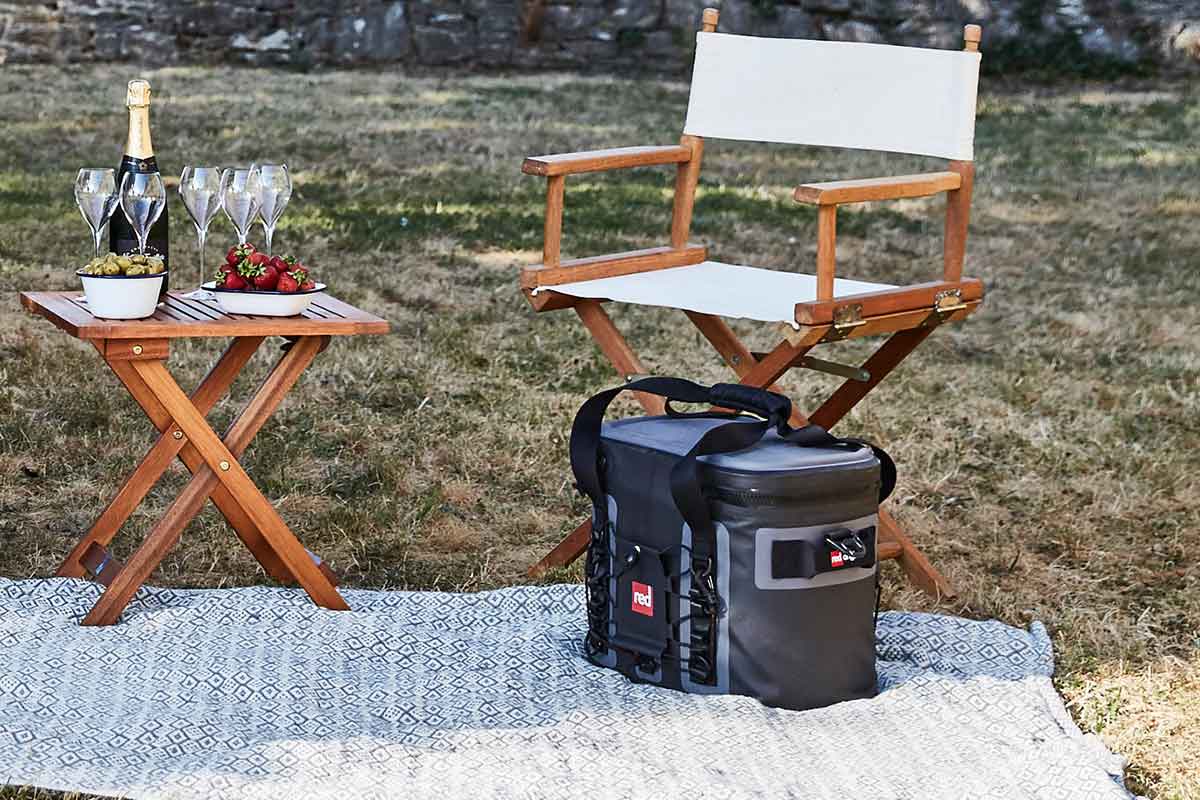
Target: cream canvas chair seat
x=722, y=290
x=789, y=91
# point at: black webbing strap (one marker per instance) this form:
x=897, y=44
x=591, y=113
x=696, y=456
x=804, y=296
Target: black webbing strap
x=738, y=434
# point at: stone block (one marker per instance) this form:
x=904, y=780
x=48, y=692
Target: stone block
x=852, y=31
x=1181, y=44
x=562, y=22
x=636, y=14
x=795, y=23
x=444, y=43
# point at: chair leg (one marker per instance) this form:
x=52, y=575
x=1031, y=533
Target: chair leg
x=738, y=356
x=916, y=566
x=879, y=365
x=565, y=552
x=617, y=350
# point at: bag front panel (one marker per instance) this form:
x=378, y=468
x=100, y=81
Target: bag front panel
x=801, y=642
x=644, y=544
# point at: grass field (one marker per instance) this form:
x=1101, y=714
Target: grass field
x=1049, y=449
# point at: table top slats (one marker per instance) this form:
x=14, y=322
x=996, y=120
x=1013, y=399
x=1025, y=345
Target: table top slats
x=201, y=311
x=330, y=311
x=181, y=316
x=167, y=311
x=181, y=307
x=317, y=313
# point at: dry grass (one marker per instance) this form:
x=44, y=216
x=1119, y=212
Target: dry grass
x=1047, y=447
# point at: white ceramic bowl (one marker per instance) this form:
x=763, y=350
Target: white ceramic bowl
x=122, y=296
x=263, y=303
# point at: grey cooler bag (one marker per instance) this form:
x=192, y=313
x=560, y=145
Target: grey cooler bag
x=730, y=553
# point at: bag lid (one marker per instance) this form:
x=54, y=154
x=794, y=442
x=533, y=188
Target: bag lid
x=677, y=435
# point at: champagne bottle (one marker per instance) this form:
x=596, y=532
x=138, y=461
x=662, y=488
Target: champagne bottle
x=139, y=157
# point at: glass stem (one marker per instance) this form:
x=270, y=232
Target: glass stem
x=141, y=236
x=269, y=232
x=201, y=235
x=96, y=241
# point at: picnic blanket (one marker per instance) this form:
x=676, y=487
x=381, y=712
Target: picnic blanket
x=256, y=693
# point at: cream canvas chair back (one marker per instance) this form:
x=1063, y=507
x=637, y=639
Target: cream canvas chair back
x=838, y=94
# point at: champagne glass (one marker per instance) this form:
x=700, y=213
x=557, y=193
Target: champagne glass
x=239, y=198
x=143, y=197
x=274, y=191
x=96, y=196
x=200, y=188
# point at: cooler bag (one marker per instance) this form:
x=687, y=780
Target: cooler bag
x=730, y=554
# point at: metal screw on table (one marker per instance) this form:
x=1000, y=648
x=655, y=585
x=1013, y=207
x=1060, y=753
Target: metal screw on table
x=224, y=466
x=137, y=349
x=178, y=434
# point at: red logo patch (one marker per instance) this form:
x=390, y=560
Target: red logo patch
x=643, y=599
x=835, y=559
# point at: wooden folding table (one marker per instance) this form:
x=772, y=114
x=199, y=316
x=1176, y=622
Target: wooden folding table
x=136, y=351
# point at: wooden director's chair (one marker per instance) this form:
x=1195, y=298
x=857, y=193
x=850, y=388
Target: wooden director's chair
x=863, y=96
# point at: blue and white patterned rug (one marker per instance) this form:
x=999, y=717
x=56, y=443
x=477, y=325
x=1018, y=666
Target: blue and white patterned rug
x=255, y=693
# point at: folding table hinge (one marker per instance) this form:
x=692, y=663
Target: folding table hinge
x=845, y=319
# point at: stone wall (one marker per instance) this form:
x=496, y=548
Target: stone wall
x=622, y=35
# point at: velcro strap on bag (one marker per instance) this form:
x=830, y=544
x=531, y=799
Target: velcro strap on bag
x=838, y=549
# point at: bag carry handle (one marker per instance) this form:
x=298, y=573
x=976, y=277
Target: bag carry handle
x=738, y=434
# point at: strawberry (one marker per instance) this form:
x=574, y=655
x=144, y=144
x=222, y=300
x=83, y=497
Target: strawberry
x=279, y=264
x=287, y=283
x=268, y=280
x=249, y=272
x=238, y=252
x=231, y=280
x=261, y=259
x=297, y=272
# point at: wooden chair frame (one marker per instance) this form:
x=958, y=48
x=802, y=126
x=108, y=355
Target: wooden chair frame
x=908, y=314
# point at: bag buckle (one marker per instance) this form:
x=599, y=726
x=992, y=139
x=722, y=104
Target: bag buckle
x=849, y=544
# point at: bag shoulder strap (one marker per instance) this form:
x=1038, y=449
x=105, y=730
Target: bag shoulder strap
x=738, y=434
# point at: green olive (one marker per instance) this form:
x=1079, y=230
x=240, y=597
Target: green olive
x=138, y=258
x=155, y=264
x=112, y=268
x=124, y=262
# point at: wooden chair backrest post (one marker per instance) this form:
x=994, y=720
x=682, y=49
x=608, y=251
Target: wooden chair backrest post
x=958, y=202
x=688, y=174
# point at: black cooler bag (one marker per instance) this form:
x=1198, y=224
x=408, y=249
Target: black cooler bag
x=730, y=554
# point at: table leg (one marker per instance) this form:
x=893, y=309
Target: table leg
x=221, y=461
x=280, y=380
x=217, y=471
x=164, y=451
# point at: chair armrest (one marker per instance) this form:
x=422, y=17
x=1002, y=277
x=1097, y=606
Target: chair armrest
x=835, y=193
x=600, y=160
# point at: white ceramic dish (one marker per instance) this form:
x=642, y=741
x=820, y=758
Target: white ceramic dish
x=262, y=303
x=122, y=296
